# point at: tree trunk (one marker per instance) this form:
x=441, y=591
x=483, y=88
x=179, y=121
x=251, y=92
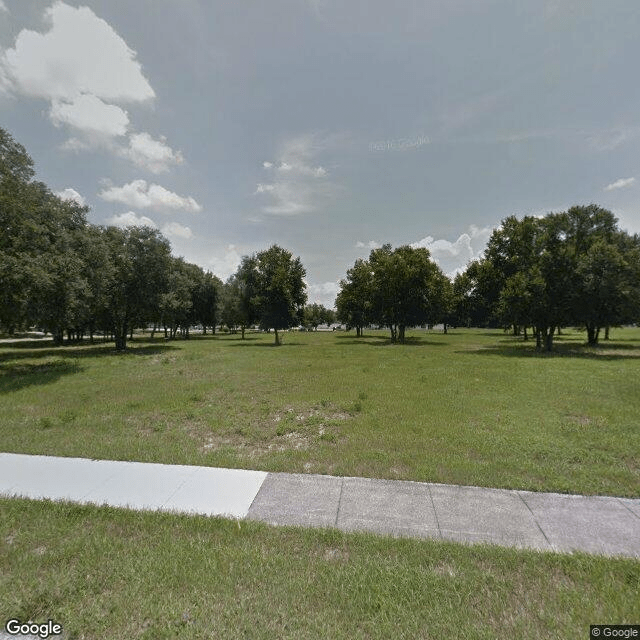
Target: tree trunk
x=538, y=338
x=277, y=338
x=592, y=334
x=242, y=328
x=526, y=335
x=549, y=339
x=606, y=332
x=58, y=336
x=516, y=330
x=401, y=330
x=120, y=336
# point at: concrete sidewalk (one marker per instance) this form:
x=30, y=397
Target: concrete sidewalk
x=543, y=521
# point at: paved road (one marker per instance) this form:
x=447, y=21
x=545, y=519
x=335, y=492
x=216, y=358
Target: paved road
x=543, y=521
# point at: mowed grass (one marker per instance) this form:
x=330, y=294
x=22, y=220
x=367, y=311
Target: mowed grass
x=111, y=574
x=473, y=407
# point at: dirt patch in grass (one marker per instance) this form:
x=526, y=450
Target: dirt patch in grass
x=287, y=429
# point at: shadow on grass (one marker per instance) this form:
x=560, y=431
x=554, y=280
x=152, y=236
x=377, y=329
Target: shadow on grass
x=384, y=341
x=19, y=376
x=244, y=343
x=21, y=352
x=568, y=349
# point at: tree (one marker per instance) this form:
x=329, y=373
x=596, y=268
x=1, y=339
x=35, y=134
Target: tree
x=408, y=288
x=511, y=249
x=608, y=287
x=42, y=279
x=205, y=299
x=239, y=296
x=568, y=267
x=316, y=314
x=353, y=302
x=280, y=291
x=140, y=264
x=175, y=303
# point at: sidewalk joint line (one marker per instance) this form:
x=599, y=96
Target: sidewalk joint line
x=266, y=475
x=435, y=513
x=339, y=503
x=178, y=488
x=536, y=521
x=627, y=508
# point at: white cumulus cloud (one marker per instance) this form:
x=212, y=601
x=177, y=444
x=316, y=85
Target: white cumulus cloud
x=620, y=184
x=323, y=293
x=175, y=230
x=226, y=264
x=71, y=194
x=91, y=116
x=154, y=155
x=453, y=257
x=141, y=195
x=79, y=54
x=131, y=219
x=84, y=69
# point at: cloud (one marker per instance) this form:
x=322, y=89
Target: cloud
x=141, y=195
x=3, y=6
x=453, y=257
x=91, y=116
x=299, y=183
x=175, y=230
x=372, y=244
x=227, y=264
x=131, y=219
x=79, y=54
x=171, y=230
x=620, y=184
x=264, y=188
x=71, y=194
x=153, y=155
x=82, y=66
x=323, y=293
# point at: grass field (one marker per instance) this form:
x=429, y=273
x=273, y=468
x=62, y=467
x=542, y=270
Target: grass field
x=471, y=407
x=111, y=574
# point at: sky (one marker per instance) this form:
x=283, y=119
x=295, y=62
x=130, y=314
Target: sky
x=324, y=126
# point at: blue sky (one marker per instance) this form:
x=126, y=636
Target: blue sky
x=327, y=127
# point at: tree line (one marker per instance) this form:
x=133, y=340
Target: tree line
x=66, y=276
x=574, y=268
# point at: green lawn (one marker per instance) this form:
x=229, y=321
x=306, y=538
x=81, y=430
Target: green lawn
x=111, y=574
x=473, y=407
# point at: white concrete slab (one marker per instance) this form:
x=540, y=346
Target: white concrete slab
x=210, y=491
x=50, y=477
x=138, y=485
x=134, y=485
